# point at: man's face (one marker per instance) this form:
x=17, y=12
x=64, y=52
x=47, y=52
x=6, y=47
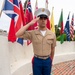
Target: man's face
x=42, y=21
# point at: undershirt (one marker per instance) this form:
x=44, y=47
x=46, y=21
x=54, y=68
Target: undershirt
x=43, y=32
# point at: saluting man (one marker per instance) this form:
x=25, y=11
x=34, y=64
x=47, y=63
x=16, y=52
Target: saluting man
x=43, y=41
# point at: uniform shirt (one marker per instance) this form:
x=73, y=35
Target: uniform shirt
x=41, y=44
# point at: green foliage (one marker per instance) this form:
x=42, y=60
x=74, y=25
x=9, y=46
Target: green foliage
x=57, y=32
x=58, y=38
x=65, y=38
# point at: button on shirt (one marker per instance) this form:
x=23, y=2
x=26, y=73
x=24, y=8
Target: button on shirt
x=41, y=44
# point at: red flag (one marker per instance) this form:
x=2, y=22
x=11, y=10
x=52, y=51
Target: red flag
x=22, y=14
x=48, y=23
x=20, y=40
x=11, y=34
x=28, y=14
x=29, y=17
x=17, y=20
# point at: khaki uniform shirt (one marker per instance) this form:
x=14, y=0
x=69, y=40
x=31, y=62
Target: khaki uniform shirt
x=41, y=44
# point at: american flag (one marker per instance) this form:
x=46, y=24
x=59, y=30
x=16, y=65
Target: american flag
x=72, y=28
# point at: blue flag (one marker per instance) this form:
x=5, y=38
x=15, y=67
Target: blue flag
x=67, y=29
x=20, y=40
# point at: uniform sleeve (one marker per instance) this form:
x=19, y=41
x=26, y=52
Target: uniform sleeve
x=54, y=41
x=27, y=35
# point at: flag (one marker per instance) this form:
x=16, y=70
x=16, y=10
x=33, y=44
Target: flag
x=67, y=28
x=48, y=24
x=8, y=8
x=22, y=13
x=60, y=25
x=20, y=40
x=48, y=21
x=52, y=22
x=28, y=14
x=12, y=9
x=72, y=28
x=29, y=17
x=11, y=34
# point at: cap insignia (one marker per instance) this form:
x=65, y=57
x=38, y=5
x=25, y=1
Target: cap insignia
x=43, y=10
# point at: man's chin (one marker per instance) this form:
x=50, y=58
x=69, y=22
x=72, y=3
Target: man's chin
x=43, y=26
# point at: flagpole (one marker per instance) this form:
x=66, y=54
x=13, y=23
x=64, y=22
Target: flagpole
x=46, y=4
x=2, y=8
x=26, y=6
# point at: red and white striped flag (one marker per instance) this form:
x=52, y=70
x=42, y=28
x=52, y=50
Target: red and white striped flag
x=72, y=28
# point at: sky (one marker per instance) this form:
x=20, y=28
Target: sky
x=66, y=5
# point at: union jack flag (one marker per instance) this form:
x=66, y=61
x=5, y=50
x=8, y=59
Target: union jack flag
x=9, y=8
x=12, y=9
x=72, y=28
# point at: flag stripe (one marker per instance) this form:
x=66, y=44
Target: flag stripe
x=72, y=28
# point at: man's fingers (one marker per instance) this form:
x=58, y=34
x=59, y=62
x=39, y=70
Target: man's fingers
x=38, y=18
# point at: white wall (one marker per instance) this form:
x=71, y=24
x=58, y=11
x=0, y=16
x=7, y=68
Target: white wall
x=15, y=59
x=64, y=52
x=4, y=56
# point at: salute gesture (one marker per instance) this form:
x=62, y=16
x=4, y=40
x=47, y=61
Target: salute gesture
x=34, y=21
